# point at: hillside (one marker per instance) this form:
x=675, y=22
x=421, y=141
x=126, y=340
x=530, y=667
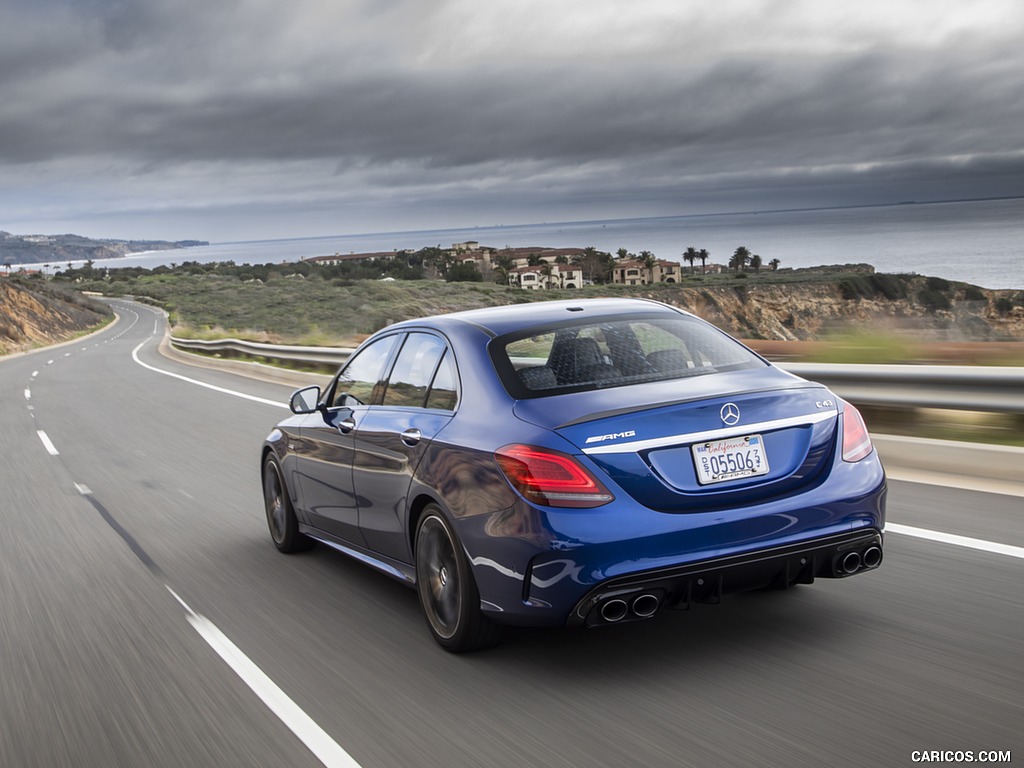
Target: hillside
x=56, y=250
x=37, y=314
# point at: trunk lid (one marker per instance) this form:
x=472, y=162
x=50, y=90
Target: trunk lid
x=698, y=444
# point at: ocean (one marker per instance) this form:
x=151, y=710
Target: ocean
x=979, y=242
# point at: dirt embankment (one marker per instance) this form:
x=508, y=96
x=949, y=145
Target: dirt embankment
x=37, y=315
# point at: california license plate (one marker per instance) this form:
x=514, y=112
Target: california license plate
x=721, y=460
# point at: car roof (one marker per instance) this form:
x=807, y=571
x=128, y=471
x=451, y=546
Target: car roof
x=497, y=321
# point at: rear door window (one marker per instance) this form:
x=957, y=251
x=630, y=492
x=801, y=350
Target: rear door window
x=414, y=370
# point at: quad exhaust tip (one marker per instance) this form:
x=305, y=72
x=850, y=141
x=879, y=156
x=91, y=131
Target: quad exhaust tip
x=851, y=562
x=645, y=605
x=614, y=610
x=872, y=557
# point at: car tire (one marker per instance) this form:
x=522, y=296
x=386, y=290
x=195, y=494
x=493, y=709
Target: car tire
x=446, y=587
x=284, y=526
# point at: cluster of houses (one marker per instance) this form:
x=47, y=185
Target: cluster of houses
x=535, y=268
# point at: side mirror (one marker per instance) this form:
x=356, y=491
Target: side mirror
x=305, y=400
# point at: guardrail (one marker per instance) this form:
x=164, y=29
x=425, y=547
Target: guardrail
x=993, y=389
x=320, y=355
x=970, y=388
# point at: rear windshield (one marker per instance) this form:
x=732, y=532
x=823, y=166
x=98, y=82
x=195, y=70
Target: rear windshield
x=615, y=352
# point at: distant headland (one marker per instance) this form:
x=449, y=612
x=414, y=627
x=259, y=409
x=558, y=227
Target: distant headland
x=58, y=249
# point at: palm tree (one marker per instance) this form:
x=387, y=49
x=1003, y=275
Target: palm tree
x=774, y=264
x=648, y=260
x=755, y=263
x=621, y=254
x=690, y=255
x=503, y=265
x=545, y=271
x=739, y=259
x=703, y=255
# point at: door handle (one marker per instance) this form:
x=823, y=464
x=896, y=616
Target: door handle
x=411, y=437
x=346, y=425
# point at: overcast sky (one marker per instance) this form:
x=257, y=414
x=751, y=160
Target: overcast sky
x=249, y=119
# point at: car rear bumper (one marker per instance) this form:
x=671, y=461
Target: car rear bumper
x=640, y=595
x=544, y=567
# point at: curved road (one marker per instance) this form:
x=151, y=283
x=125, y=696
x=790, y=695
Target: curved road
x=146, y=620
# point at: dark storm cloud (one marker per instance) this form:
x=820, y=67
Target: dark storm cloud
x=218, y=103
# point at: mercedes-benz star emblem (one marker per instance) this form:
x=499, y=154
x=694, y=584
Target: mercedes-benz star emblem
x=730, y=414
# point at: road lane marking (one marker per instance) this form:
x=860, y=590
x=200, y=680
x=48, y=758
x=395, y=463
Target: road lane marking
x=958, y=541
x=47, y=443
x=34, y=374
x=83, y=489
x=265, y=401
x=28, y=393
x=316, y=739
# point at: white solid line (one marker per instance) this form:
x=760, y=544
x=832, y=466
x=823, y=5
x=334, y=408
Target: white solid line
x=47, y=443
x=319, y=742
x=959, y=541
x=135, y=357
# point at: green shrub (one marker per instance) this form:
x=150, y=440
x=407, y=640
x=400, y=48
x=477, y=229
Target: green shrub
x=855, y=287
x=972, y=293
x=1003, y=306
x=933, y=300
x=893, y=287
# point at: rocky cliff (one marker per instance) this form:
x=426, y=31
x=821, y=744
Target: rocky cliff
x=806, y=307
x=36, y=314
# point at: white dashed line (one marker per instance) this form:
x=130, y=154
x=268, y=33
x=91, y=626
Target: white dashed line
x=47, y=443
x=958, y=541
x=34, y=374
x=319, y=742
x=28, y=393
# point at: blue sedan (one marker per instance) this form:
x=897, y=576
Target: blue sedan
x=578, y=463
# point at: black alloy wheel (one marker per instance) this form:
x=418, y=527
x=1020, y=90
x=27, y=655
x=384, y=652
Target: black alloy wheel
x=446, y=588
x=284, y=526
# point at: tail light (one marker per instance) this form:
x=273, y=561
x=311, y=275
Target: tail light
x=551, y=478
x=856, y=441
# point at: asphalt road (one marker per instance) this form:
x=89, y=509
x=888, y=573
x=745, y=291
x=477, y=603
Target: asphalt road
x=146, y=620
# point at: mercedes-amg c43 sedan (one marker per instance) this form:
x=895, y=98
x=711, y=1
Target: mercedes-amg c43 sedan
x=585, y=462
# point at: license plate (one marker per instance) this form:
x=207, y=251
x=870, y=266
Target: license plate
x=721, y=460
